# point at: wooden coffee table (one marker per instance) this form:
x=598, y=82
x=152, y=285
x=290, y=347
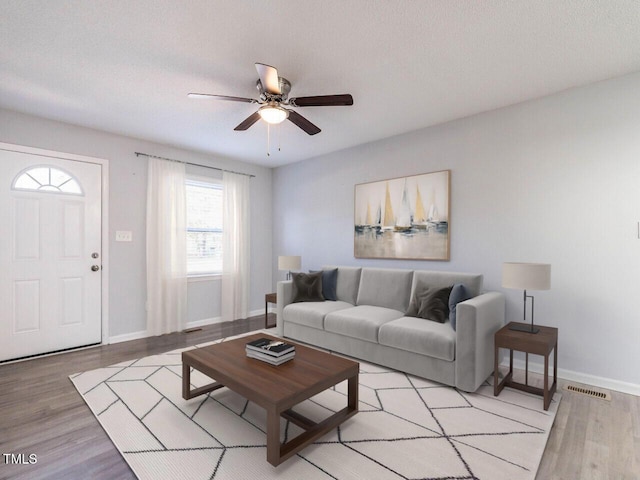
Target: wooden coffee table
x=275, y=388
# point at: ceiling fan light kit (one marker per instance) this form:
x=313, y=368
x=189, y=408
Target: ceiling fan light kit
x=274, y=91
x=273, y=113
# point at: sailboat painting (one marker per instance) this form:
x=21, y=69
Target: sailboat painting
x=411, y=219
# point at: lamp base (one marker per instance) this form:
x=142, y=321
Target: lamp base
x=520, y=327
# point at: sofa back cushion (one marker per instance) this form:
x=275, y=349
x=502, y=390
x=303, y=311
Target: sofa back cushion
x=347, y=283
x=384, y=287
x=425, y=278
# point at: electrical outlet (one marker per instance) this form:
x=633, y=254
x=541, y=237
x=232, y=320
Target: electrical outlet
x=124, y=236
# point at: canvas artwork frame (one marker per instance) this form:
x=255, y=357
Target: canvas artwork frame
x=404, y=217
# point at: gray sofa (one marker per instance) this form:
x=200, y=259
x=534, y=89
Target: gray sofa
x=367, y=321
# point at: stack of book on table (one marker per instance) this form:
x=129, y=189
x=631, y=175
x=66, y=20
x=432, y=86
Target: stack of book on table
x=275, y=352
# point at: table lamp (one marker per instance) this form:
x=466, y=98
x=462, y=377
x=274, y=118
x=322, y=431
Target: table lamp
x=526, y=276
x=289, y=262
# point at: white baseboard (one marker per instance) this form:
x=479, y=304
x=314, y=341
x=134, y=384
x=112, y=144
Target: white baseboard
x=193, y=324
x=127, y=337
x=203, y=322
x=584, y=378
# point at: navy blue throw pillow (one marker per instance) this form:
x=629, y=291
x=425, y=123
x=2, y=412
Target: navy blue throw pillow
x=329, y=283
x=459, y=293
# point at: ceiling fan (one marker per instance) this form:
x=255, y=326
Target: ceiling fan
x=274, y=91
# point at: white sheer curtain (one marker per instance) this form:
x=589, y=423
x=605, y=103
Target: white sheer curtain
x=166, y=247
x=235, y=246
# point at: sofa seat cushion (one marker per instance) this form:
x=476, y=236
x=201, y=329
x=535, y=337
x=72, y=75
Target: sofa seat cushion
x=360, y=322
x=421, y=336
x=311, y=314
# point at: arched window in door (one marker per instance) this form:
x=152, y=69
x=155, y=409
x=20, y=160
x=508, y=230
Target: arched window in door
x=45, y=178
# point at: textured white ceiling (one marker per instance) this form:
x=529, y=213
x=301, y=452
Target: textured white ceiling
x=127, y=66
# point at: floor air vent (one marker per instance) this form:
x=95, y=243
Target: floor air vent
x=589, y=392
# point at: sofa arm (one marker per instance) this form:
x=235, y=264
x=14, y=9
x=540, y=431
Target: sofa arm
x=285, y=297
x=477, y=320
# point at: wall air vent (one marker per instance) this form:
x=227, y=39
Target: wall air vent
x=588, y=391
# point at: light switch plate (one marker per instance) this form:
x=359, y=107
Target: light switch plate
x=124, y=236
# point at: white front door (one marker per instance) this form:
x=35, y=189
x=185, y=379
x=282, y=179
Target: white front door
x=50, y=254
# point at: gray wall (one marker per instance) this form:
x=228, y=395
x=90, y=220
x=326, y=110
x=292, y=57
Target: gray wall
x=127, y=207
x=556, y=180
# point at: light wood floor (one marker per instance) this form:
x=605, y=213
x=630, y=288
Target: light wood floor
x=593, y=439
x=42, y=413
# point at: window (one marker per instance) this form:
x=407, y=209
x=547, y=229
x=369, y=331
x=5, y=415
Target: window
x=204, y=226
x=47, y=179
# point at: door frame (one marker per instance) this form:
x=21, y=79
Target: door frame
x=104, y=164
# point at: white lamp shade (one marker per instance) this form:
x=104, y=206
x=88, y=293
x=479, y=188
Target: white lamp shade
x=289, y=262
x=526, y=276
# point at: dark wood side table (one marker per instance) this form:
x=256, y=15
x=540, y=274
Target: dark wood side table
x=269, y=298
x=541, y=343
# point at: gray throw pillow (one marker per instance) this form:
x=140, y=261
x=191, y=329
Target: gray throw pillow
x=307, y=287
x=431, y=303
x=435, y=305
x=329, y=283
x=459, y=293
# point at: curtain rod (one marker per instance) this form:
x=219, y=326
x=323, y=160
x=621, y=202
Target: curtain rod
x=194, y=164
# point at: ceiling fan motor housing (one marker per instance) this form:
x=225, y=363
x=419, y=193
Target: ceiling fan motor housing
x=285, y=88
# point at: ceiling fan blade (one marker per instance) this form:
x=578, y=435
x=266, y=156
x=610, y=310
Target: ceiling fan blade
x=250, y=120
x=322, y=101
x=222, y=97
x=303, y=123
x=269, y=78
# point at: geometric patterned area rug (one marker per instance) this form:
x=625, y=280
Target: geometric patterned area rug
x=406, y=428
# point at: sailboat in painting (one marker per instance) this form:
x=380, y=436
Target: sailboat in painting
x=419, y=218
x=403, y=223
x=378, y=224
x=433, y=217
x=433, y=214
x=389, y=219
x=368, y=221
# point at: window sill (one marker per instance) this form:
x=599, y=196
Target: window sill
x=204, y=277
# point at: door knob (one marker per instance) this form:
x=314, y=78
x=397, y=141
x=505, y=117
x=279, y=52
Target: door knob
x=95, y=268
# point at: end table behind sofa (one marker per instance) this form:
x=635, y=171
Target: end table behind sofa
x=269, y=298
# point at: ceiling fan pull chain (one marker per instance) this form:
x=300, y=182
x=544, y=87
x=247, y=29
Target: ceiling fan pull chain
x=268, y=140
x=278, y=127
